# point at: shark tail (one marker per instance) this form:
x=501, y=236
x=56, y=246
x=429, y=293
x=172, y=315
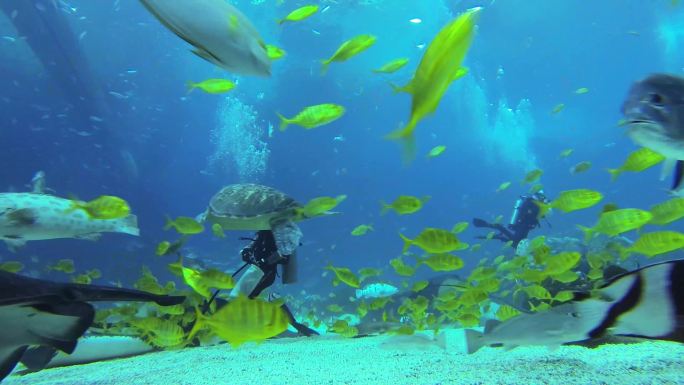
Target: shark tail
x=128, y=225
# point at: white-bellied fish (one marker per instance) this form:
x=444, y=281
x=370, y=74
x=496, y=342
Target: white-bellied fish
x=654, y=116
x=32, y=217
x=377, y=290
x=218, y=31
x=647, y=302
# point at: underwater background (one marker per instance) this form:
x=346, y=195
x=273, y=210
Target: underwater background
x=141, y=136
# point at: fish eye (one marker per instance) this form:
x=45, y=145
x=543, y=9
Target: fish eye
x=656, y=99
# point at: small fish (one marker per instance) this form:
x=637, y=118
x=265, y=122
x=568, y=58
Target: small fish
x=656, y=243
x=667, y=212
x=637, y=161
x=376, y=290
x=320, y=206
x=582, y=91
x=345, y=275
x=212, y=86
x=572, y=200
x=580, y=167
x=393, y=66
x=64, y=265
x=349, y=49
x=299, y=14
x=103, y=207
x=433, y=240
x=404, y=204
x=274, y=53
x=11, y=266
x=460, y=227
x=616, y=222
x=368, y=272
x=533, y=176
x=558, y=108
x=313, y=116
x=217, y=230
x=184, y=225
x=566, y=153
x=362, y=230
x=442, y=262
x=415, y=20
x=503, y=186
x=436, y=151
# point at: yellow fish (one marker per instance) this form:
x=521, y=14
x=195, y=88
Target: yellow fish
x=503, y=186
x=419, y=286
x=212, y=86
x=162, y=248
x=349, y=49
x=667, y=212
x=313, y=116
x=243, y=320
x=64, y=265
x=442, y=262
x=405, y=204
x=11, y=266
x=572, y=200
x=436, y=151
x=433, y=240
x=655, y=243
x=566, y=153
x=533, y=176
x=368, y=272
x=320, y=206
x=184, y=225
x=459, y=227
x=103, y=207
x=217, y=230
x=580, y=167
x=344, y=275
x=392, y=66
x=438, y=68
x=616, y=222
x=582, y=91
x=401, y=268
x=362, y=230
x=637, y=161
x=558, y=108
x=274, y=53
x=300, y=14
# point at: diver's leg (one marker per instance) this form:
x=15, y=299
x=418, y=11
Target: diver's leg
x=301, y=328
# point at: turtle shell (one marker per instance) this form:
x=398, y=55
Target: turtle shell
x=250, y=207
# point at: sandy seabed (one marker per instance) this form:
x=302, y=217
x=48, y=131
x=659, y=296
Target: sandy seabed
x=378, y=360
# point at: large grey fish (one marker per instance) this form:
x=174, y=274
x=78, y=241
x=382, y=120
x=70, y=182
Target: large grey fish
x=654, y=116
x=647, y=303
x=30, y=217
x=38, y=312
x=219, y=32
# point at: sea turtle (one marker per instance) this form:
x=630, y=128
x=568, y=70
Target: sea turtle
x=257, y=207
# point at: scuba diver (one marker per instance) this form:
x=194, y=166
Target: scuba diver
x=524, y=219
x=262, y=258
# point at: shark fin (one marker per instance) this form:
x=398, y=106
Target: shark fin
x=9, y=359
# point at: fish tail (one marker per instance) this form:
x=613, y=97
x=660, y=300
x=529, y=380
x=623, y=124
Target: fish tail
x=191, y=86
x=588, y=233
x=407, y=243
x=385, y=208
x=359, y=293
x=474, y=340
x=543, y=208
x=281, y=21
x=169, y=223
x=199, y=325
x=614, y=173
x=324, y=66
x=284, y=122
x=128, y=225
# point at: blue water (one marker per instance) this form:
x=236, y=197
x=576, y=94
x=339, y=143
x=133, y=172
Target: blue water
x=154, y=145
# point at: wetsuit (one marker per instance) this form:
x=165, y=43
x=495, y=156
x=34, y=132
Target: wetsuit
x=525, y=218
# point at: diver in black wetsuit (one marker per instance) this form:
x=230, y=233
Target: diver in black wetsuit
x=525, y=218
x=261, y=259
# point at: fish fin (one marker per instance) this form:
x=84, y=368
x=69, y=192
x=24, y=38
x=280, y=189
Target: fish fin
x=61, y=324
x=588, y=233
x=440, y=340
x=14, y=244
x=474, y=340
x=324, y=66
x=407, y=140
x=385, y=208
x=668, y=166
x=614, y=173
x=678, y=175
x=9, y=359
x=490, y=325
x=169, y=223
x=128, y=225
x=22, y=217
x=284, y=122
x=191, y=86
x=397, y=89
x=37, y=358
x=407, y=243
x=199, y=325
x=89, y=237
x=206, y=55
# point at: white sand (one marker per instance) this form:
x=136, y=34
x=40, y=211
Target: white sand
x=378, y=361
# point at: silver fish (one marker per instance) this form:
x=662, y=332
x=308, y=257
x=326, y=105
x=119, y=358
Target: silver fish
x=30, y=217
x=654, y=116
x=219, y=32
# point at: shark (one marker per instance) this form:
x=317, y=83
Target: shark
x=37, y=312
x=645, y=303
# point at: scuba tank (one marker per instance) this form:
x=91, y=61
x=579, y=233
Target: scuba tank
x=516, y=210
x=289, y=272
